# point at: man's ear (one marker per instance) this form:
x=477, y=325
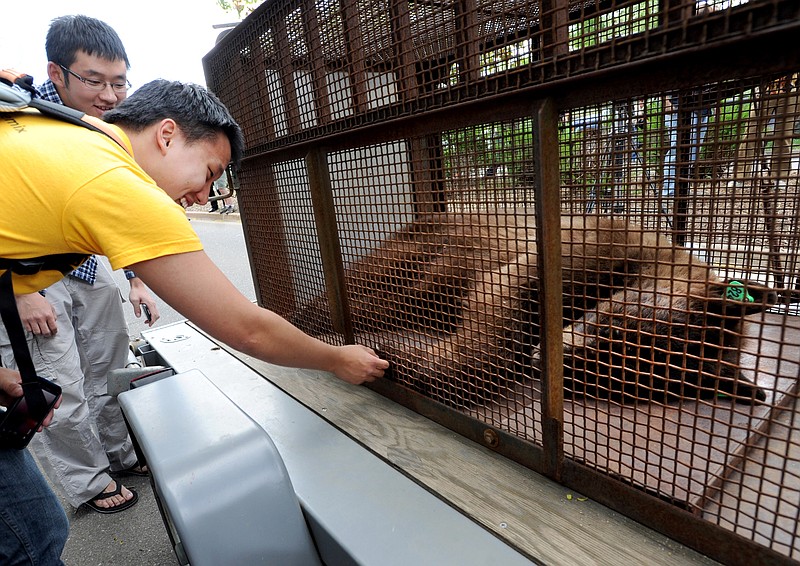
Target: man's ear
x=740, y=297
x=165, y=134
x=56, y=74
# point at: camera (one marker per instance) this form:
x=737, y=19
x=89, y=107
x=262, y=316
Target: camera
x=22, y=419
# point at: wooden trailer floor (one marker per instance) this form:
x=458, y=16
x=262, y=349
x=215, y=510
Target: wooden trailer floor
x=682, y=450
x=716, y=458
x=760, y=498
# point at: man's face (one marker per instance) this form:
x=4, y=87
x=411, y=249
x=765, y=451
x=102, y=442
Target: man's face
x=189, y=169
x=75, y=94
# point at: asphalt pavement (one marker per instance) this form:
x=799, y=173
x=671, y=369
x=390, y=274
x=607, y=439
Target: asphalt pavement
x=136, y=536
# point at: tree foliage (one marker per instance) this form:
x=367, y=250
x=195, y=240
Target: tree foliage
x=242, y=7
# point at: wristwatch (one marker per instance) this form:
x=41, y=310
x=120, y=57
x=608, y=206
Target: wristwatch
x=129, y=274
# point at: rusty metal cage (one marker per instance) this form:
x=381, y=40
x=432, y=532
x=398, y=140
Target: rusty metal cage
x=572, y=226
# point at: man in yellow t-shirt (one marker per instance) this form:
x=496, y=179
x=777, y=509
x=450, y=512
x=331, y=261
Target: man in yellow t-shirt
x=70, y=190
x=86, y=204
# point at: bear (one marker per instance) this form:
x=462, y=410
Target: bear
x=451, y=299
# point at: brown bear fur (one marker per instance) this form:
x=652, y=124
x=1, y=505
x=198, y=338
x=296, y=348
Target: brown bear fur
x=454, y=298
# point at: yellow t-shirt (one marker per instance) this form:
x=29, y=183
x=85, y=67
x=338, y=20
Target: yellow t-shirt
x=67, y=189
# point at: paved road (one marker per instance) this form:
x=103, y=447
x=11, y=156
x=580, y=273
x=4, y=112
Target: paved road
x=137, y=537
x=223, y=240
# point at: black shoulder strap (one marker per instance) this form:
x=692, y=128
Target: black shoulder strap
x=13, y=324
x=64, y=263
x=8, y=303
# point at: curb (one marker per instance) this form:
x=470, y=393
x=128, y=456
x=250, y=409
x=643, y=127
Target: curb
x=209, y=216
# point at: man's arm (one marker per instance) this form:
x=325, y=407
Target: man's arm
x=139, y=295
x=195, y=287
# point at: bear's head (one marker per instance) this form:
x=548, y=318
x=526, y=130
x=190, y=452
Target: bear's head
x=657, y=344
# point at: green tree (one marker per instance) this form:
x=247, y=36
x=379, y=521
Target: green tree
x=242, y=7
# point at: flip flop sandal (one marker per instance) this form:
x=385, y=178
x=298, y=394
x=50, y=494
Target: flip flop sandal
x=132, y=471
x=91, y=504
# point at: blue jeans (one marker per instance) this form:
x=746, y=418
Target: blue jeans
x=698, y=129
x=33, y=525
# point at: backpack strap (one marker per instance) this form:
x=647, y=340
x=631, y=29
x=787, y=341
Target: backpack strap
x=23, y=81
x=64, y=263
x=8, y=303
x=13, y=324
x=67, y=114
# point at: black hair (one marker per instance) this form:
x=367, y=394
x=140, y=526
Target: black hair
x=197, y=111
x=69, y=34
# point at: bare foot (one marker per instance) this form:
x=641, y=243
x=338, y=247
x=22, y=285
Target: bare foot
x=114, y=500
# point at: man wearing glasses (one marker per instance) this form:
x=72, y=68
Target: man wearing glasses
x=106, y=94
x=76, y=328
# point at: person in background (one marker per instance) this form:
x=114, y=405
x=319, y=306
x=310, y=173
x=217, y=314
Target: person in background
x=226, y=207
x=773, y=111
x=213, y=204
x=699, y=112
x=76, y=327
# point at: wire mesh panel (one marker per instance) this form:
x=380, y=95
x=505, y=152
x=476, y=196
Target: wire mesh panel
x=444, y=181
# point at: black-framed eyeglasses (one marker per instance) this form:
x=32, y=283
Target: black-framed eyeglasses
x=99, y=86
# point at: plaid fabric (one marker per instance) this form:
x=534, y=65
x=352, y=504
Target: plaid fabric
x=49, y=92
x=88, y=270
